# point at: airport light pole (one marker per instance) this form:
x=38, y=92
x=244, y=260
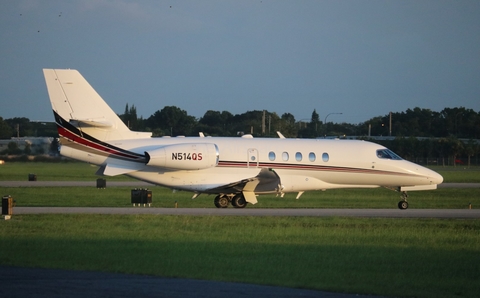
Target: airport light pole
x=326, y=121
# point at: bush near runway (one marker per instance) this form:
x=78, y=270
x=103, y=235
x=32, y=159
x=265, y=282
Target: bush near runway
x=389, y=257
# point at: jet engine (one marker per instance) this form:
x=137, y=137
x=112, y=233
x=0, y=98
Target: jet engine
x=194, y=156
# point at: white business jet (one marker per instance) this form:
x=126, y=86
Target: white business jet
x=235, y=169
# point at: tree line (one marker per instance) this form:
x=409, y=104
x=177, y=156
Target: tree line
x=455, y=130
x=171, y=121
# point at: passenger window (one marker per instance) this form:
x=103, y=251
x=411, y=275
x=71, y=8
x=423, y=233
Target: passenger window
x=311, y=156
x=285, y=156
x=271, y=155
x=298, y=156
x=325, y=157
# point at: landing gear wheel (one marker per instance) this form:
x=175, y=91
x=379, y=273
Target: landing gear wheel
x=221, y=201
x=238, y=201
x=402, y=205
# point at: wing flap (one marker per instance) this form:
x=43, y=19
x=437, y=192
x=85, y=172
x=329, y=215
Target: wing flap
x=266, y=181
x=250, y=197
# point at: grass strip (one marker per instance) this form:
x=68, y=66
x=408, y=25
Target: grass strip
x=53, y=171
x=162, y=197
x=391, y=257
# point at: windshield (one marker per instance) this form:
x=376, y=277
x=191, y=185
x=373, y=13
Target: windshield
x=387, y=154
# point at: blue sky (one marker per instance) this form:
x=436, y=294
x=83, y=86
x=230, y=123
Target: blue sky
x=360, y=58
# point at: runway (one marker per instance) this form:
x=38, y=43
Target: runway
x=370, y=213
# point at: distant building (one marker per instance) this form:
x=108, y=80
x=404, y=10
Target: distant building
x=38, y=145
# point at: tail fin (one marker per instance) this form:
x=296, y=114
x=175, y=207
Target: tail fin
x=75, y=103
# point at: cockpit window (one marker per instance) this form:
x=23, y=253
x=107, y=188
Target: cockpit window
x=387, y=154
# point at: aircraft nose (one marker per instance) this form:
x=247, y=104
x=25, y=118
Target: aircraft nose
x=435, y=178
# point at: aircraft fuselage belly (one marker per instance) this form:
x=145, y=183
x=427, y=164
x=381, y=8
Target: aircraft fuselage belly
x=301, y=164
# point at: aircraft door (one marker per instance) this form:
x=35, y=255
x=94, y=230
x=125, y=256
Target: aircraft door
x=252, y=160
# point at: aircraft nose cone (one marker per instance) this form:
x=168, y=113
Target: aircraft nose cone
x=436, y=178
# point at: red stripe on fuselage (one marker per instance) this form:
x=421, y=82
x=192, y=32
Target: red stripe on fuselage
x=82, y=141
x=238, y=164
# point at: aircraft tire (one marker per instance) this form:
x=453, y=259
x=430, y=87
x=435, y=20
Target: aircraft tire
x=221, y=201
x=402, y=205
x=238, y=201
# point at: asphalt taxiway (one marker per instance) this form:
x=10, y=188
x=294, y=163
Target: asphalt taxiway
x=372, y=213
x=53, y=283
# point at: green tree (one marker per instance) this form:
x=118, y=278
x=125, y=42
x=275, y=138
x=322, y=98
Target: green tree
x=5, y=130
x=471, y=148
x=172, y=121
x=25, y=128
x=13, y=149
x=215, y=123
x=287, y=125
x=28, y=149
x=131, y=120
x=455, y=147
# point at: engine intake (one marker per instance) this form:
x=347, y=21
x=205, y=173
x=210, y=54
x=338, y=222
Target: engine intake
x=194, y=156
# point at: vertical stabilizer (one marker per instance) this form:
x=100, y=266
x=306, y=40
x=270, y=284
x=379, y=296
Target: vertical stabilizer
x=75, y=102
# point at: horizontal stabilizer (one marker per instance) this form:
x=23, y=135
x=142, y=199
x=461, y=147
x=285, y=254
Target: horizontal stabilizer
x=102, y=123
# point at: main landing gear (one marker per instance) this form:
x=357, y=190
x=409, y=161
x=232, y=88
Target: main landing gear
x=237, y=200
x=403, y=204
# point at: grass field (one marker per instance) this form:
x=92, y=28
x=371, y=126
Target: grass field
x=165, y=198
x=50, y=171
x=389, y=257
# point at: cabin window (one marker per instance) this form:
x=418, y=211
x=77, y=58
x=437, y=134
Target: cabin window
x=285, y=156
x=387, y=154
x=298, y=156
x=312, y=157
x=325, y=157
x=271, y=156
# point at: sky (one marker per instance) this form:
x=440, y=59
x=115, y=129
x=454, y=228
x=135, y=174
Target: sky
x=359, y=58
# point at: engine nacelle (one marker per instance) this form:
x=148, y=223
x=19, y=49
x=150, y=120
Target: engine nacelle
x=194, y=156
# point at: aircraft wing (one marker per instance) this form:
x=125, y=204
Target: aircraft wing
x=266, y=180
